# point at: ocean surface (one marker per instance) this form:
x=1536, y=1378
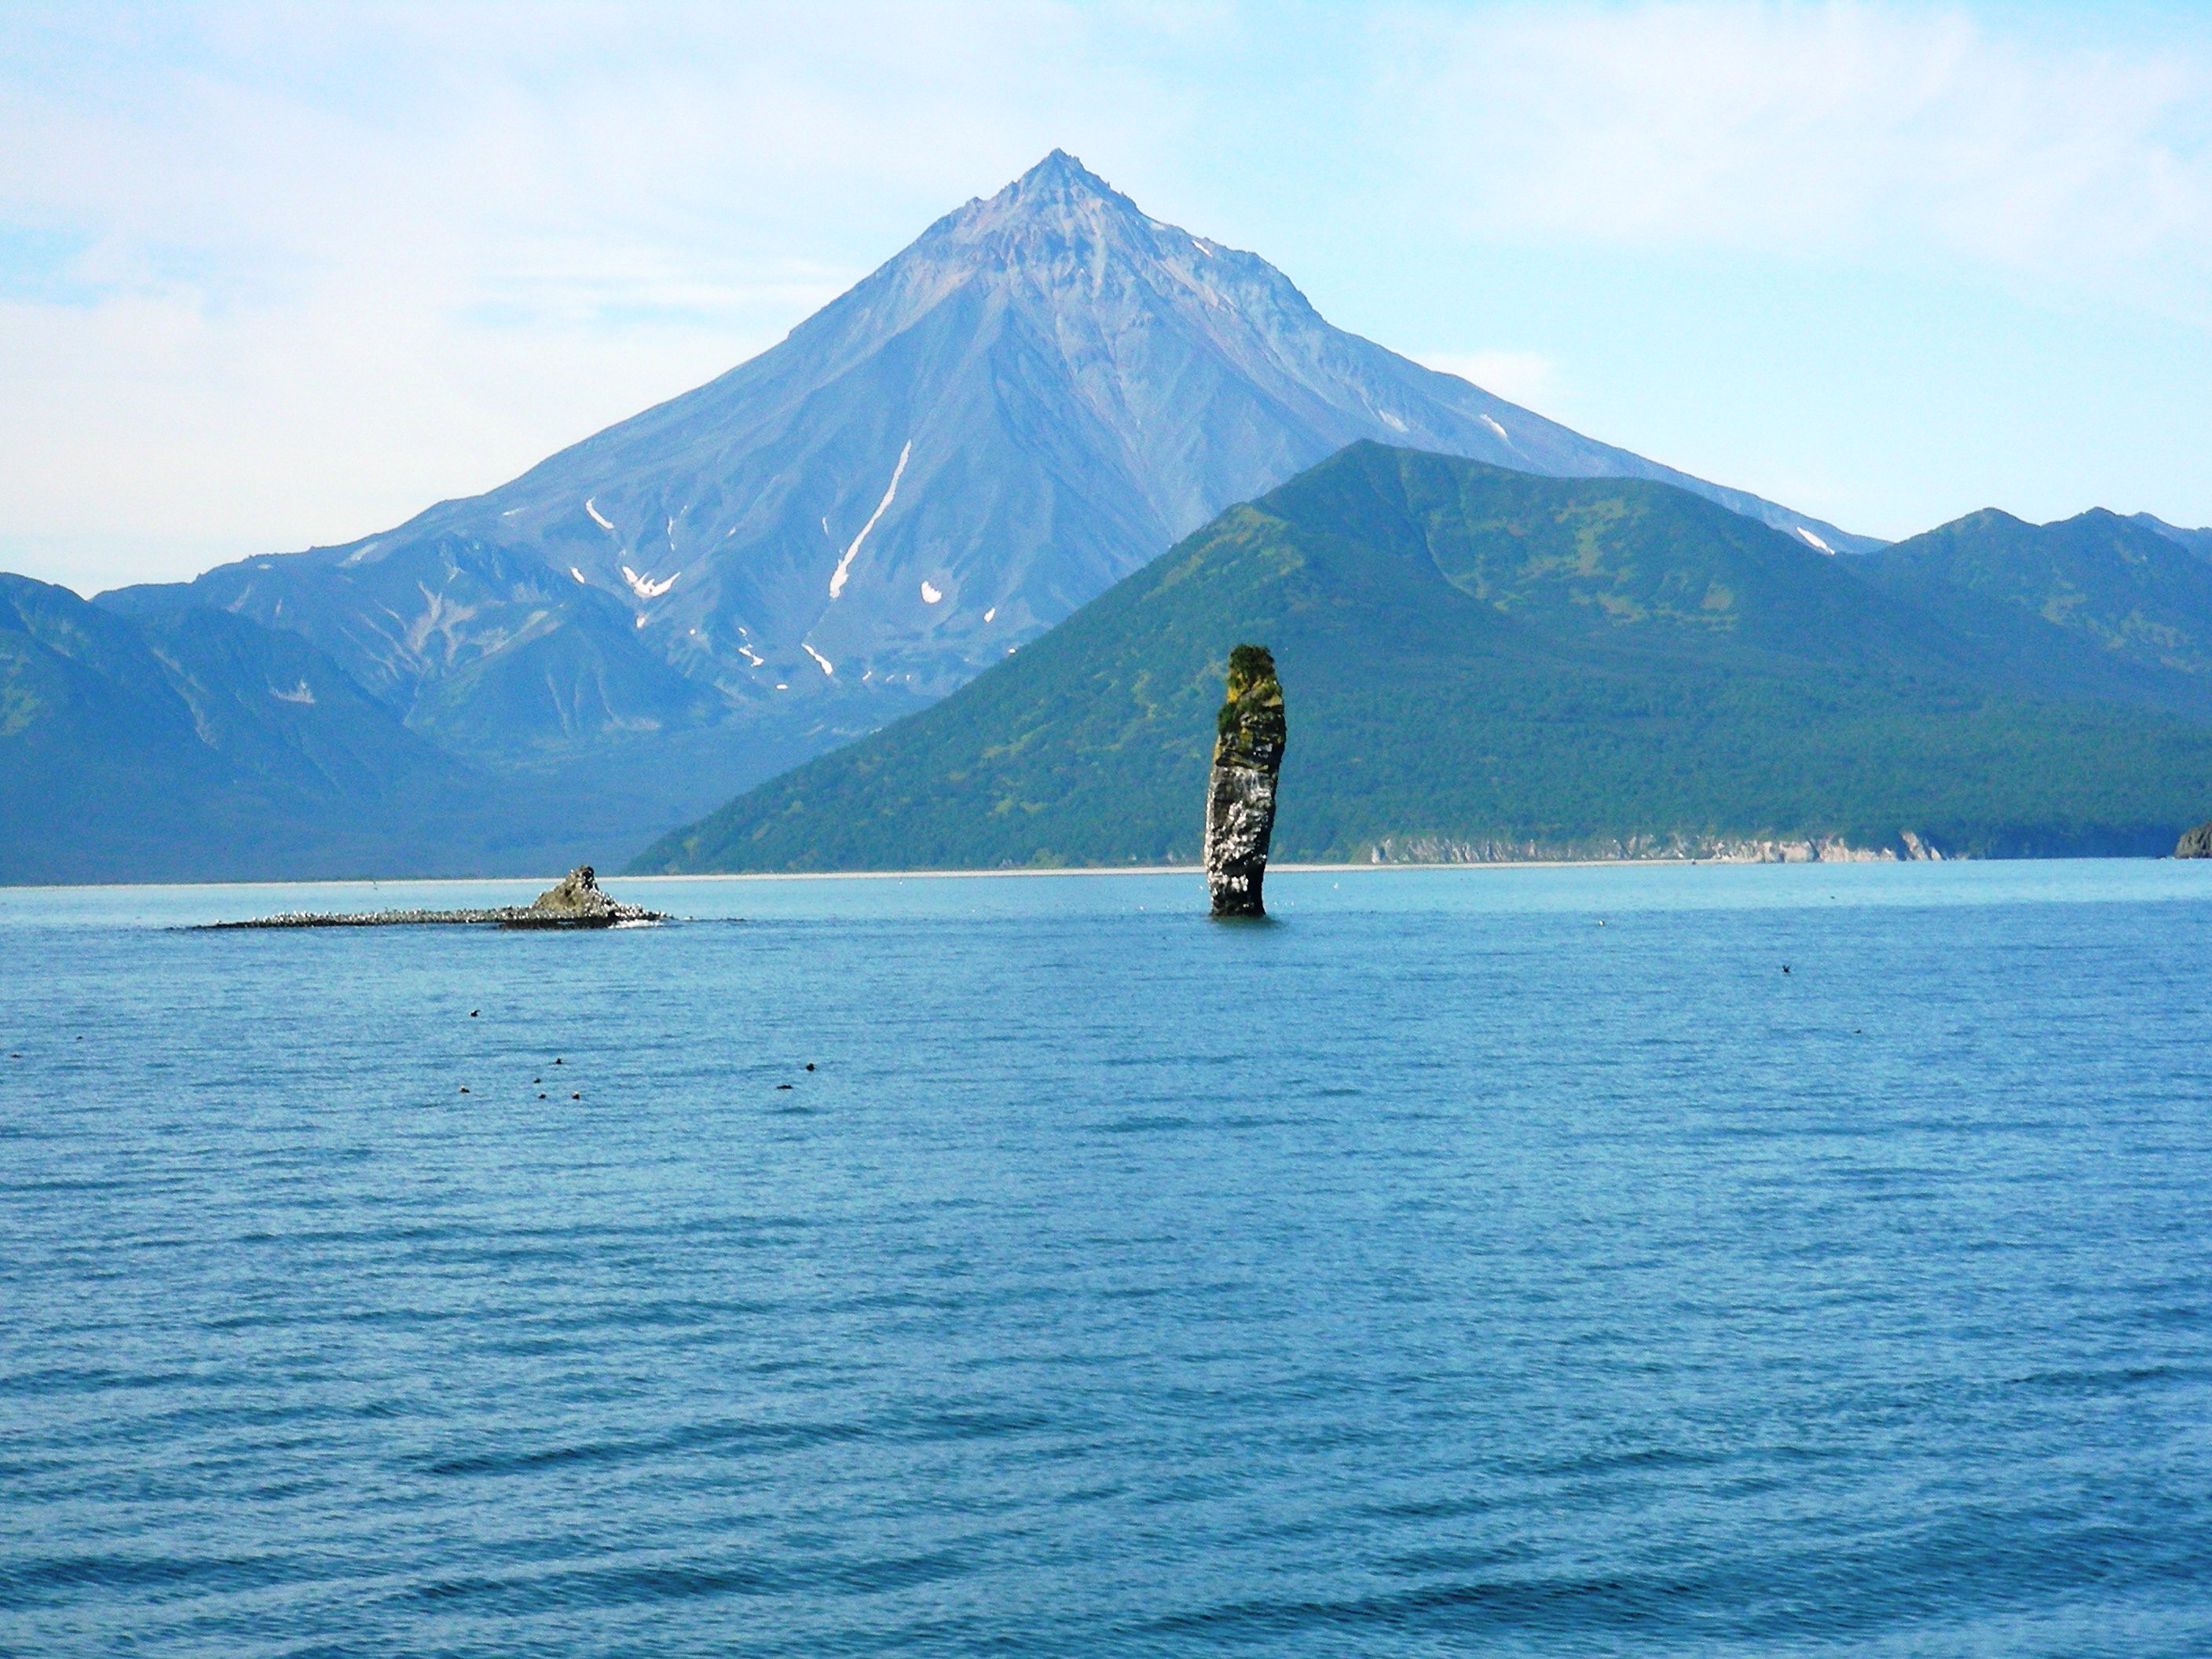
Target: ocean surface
x=1775, y=1261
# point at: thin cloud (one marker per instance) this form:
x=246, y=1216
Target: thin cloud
x=1807, y=131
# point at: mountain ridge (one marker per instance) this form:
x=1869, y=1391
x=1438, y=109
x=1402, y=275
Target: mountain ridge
x=1475, y=657
x=2199, y=542
x=198, y=746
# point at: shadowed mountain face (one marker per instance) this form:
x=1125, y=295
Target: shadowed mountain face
x=195, y=746
x=1482, y=662
x=1041, y=394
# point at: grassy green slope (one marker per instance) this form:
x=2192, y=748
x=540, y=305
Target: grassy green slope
x=1472, y=655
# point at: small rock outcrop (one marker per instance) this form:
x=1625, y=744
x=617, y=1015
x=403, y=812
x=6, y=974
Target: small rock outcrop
x=2195, y=843
x=1240, y=796
x=575, y=901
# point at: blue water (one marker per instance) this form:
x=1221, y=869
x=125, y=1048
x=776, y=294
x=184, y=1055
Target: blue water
x=1433, y=1270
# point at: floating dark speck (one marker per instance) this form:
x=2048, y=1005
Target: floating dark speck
x=464, y=1088
x=809, y=1065
x=783, y=1086
x=473, y=1013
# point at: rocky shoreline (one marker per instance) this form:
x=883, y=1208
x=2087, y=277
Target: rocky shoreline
x=575, y=901
x=1909, y=847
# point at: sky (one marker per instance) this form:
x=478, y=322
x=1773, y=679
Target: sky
x=280, y=276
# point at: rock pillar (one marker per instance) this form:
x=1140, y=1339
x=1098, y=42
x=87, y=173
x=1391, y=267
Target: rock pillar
x=1240, y=797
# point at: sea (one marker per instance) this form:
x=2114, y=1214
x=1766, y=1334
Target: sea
x=1798, y=1260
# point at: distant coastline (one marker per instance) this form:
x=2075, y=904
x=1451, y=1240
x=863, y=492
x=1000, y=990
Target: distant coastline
x=1192, y=869
x=1362, y=867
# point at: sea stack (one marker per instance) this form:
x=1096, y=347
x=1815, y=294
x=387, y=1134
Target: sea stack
x=1240, y=797
x=2195, y=843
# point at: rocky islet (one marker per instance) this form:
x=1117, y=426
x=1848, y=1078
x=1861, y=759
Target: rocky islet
x=575, y=901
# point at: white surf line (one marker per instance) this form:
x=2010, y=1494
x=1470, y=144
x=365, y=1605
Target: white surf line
x=844, y=564
x=819, y=658
x=594, y=511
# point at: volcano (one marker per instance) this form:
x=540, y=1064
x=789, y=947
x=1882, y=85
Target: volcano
x=1043, y=392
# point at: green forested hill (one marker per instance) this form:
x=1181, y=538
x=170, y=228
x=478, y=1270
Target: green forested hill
x=1475, y=657
x=2137, y=597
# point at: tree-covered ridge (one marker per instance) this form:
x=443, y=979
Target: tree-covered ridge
x=2139, y=596
x=1484, y=658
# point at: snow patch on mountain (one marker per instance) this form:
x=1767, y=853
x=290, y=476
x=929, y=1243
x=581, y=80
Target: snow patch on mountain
x=845, y=565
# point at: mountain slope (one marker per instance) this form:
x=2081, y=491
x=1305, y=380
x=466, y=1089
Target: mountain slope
x=197, y=745
x=1039, y=395
x=2135, y=596
x=2199, y=542
x=1477, y=661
